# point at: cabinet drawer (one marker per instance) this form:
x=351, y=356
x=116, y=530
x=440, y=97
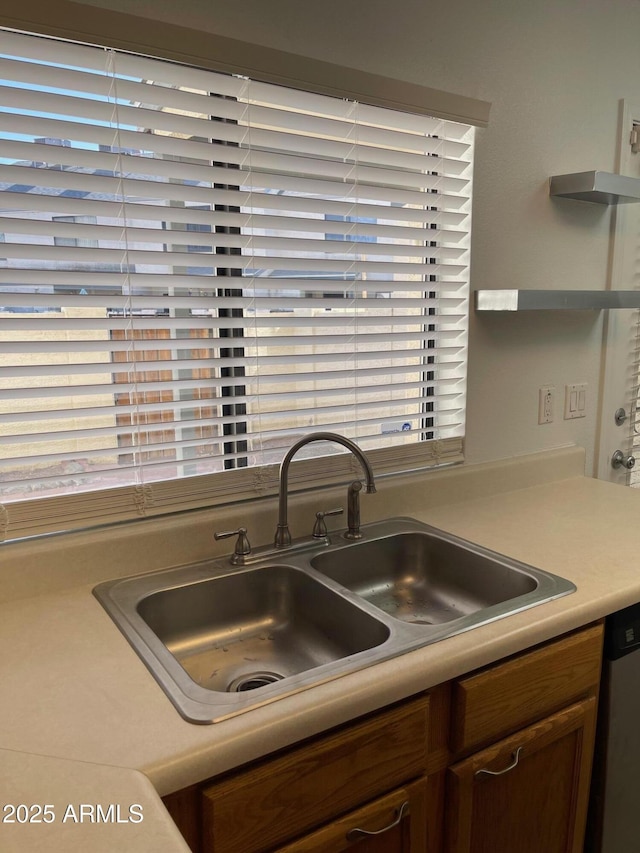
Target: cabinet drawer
x=284, y=797
x=394, y=823
x=503, y=698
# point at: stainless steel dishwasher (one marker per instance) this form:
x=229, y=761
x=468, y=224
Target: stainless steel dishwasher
x=614, y=817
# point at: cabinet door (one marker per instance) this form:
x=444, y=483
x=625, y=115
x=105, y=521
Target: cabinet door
x=528, y=793
x=395, y=823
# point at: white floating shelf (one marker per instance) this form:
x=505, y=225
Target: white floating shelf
x=596, y=187
x=545, y=300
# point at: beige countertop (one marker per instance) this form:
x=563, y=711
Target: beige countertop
x=81, y=719
x=62, y=799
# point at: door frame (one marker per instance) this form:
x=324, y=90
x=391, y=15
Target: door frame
x=619, y=328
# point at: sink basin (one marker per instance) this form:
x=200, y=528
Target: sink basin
x=246, y=630
x=221, y=640
x=423, y=578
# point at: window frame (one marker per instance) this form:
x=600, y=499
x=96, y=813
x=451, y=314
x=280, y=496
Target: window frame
x=263, y=481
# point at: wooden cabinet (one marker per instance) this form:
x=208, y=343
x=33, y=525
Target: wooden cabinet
x=281, y=798
x=527, y=793
x=496, y=762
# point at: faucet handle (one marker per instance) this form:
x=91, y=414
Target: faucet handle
x=320, y=528
x=243, y=546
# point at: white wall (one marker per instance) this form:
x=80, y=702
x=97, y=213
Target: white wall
x=555, y=71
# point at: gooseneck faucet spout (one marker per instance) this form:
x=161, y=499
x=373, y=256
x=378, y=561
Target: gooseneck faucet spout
x=283, y=536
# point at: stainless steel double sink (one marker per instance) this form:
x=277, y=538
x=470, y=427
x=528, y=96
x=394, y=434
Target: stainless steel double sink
x=221, y=640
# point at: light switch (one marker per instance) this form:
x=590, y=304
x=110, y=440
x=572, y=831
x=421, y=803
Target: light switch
x=575, y=400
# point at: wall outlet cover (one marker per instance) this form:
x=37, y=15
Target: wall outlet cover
x=546, y=399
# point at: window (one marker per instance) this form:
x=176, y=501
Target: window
x=201, y=268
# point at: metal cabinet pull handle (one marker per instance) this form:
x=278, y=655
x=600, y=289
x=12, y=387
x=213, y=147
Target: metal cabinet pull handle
x=514, y=763
x=356, y=833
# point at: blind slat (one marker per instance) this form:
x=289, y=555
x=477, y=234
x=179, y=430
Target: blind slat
x=447, y=211
x=135, y=185
x=438, y=221
x=326, y=158
x=175, y=407
x=249, y=242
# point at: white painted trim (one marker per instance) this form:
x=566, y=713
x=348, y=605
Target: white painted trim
x=619, y=326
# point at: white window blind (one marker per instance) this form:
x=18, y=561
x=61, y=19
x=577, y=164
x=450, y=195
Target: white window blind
x=197, y=269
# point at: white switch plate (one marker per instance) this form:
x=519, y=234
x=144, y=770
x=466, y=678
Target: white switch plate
x=575, y=400
x=546, y=399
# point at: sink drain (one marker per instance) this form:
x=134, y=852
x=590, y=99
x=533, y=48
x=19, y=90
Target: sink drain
x=253, y=680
